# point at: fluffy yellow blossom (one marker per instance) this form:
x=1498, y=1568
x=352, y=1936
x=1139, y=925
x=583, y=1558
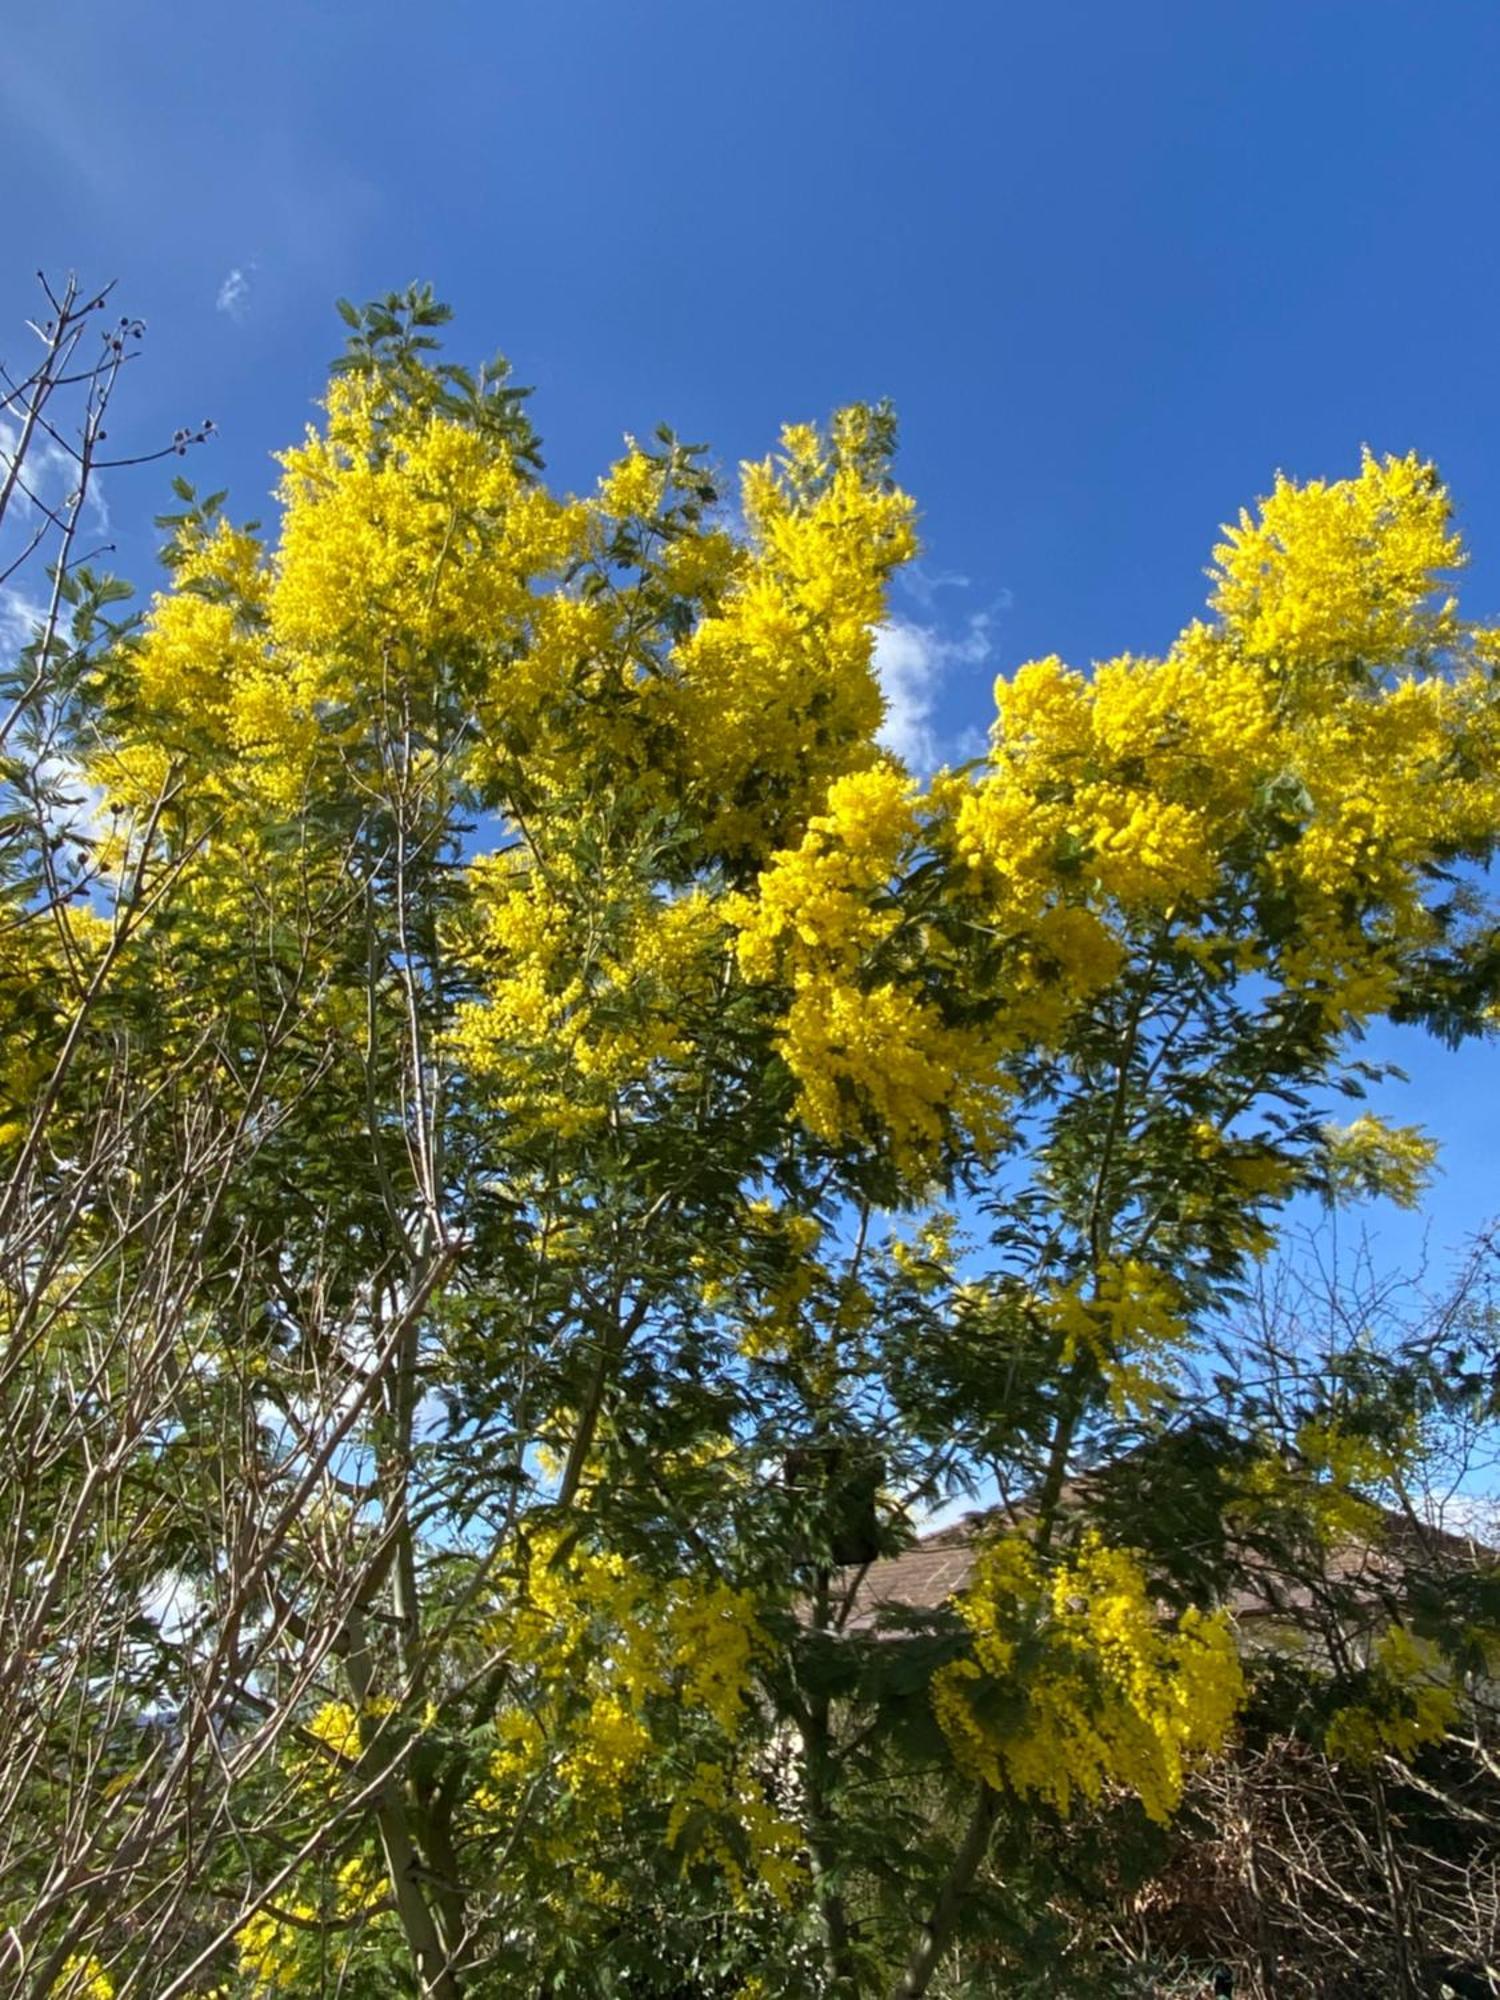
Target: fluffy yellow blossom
x=83, y=1979
x=736, y=1830
x=406, y=538
x=1410, y=1700
x=774, y=694
x=336, y=1726
x=1369, y=1157
x=424, y=534
x=633, y=487
x=605, y=1643
x=883, y=1059
x=1337, y=575
x=1129, y=1318
x=1353, y=1457
x=1311, y=753
x=285, y=1957
x=613, y=1669
x=867, y=1052
x=271, y=1952
x=1112, y=1694
x=591, y=982
x=813, y=908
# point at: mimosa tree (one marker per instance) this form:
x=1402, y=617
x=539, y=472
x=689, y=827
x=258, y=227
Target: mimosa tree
x=539, y=1145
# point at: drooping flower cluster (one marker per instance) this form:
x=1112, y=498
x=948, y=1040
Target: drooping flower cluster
x=1076, y=1683
x=618, y=1679
x=1409, y=1699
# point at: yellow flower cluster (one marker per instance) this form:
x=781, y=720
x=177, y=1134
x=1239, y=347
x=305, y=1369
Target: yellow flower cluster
x=619, y=1674
x=47, y=959
x=734, y=1825
x=1127, y=1319
x=1109, y=788
x=1331, y=1449
x=1320, y=1485
x=409, y=547
x=634, y=487
x=1369, y=1157
x=1328, y=736
x=776, y=1319
x=774, y=694
x=283, y=1957
x=83, y=1979
x=591, y=983
x=605, y=1643
x=927, y=1259
x=336, y=1726
x=1411, y=1701
x=202, y=649
x=1112, y=1695
x=421, y=535
x=871, y=1054
x=816, y=904
x=1339, y=576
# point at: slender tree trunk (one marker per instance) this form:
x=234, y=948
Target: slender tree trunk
x=937, y=1932
x=436, y=1977
x=837, y=1935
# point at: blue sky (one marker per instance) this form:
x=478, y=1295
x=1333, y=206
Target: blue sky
x=1115, y=264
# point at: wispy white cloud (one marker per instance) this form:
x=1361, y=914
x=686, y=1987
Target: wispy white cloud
x=908, y=666
x=73, y=807
x=98, y=507
x=923, y=584
x=49, y=477
x=20, y=616
x=234, y=293
x=912, y=661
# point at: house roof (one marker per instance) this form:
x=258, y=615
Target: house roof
x=938, y=1567
x=922, y=1578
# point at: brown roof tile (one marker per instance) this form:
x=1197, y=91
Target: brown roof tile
x=927, y=1576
